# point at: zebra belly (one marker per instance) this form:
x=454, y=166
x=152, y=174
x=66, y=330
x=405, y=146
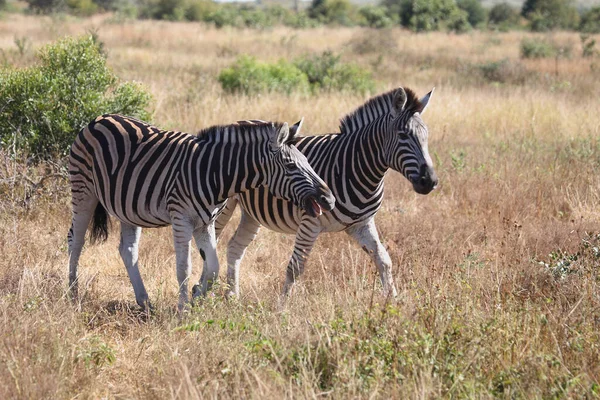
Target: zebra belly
x=284, y=217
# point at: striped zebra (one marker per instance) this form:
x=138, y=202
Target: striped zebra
x=147, y=177
x=386, y=132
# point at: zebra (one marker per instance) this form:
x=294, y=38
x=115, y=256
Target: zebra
x=147, y=178
x=385, y=132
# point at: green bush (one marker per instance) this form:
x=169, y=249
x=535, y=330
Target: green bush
x=476, y=14
x=375, y=17
x=429, y=15
x=44, y=106
x=250, y=76
x=327, y=72
x=503, y=16
x=590, y=21
x=537, y=48
x=546, y=15
x=200, y=10
x=306, y=74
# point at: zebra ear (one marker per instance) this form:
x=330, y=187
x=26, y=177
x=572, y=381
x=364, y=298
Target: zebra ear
x=399, y=100
x=282, y=136
x=425, y=101
x=295, y=129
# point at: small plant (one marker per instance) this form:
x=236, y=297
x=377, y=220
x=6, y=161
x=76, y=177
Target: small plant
x=562, y=263
x=504, y=71
x=537, y=48
x=95, y=353
x=23, y=44
x=588, y=45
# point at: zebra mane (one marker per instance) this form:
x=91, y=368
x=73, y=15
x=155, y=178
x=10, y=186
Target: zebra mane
x=242, y=128
x=375, y=108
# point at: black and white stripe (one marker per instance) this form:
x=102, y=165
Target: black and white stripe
x=386, y=132
x=147, y=177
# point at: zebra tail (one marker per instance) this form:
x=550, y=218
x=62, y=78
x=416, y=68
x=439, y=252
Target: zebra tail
x=99, y=232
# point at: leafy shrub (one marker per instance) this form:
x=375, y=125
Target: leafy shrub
x=537, y=48
x=546, y=15
x=590, y=21
x=429, y=15
x=43, y=107
x=504, y=71
x=503, y=16
x=476, y=14
x=326, y=72
x=250, y=76
x=375, y=17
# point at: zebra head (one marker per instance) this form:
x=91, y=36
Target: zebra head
x=407, y=150
x=292, y=178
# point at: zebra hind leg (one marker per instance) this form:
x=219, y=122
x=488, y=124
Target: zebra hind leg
x=83, y=211
x=182, y=235
x=207, y=245
x=129, y=250
x=245, y=233
x=368, y=238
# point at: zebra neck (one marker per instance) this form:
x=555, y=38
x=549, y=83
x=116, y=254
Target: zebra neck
x=369, y=159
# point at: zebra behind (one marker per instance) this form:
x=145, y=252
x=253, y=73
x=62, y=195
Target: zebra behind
x=147, y=177
x=386, y=132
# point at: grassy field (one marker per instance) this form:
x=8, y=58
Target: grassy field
x=497, y=270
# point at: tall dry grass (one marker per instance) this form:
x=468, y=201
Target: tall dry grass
x=477, y=314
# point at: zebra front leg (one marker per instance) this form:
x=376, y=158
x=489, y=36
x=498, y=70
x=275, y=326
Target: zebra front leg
x=128, y=248
x=207, y=245
x=366, y=235
x=182, y=235
x=244, y=235
x=83, y=211
x=306, y=236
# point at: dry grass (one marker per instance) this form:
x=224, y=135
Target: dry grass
x=477, y=315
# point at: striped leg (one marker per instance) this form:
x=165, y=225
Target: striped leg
x=182, y=234
x=128, y=248
x=83, y=211
x=244, y=234
x=366, y=235
x=207, y=245
x=305, y=240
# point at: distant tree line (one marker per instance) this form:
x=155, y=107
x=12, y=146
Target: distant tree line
x=418, y=15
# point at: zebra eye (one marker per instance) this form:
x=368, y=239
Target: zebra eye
x=403, y=135
x=291, y=166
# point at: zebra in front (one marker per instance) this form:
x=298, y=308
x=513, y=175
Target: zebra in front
x=386, y=132
x=147, y=177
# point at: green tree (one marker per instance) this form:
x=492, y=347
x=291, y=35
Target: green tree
x=590, y=21
x=333, y=11
x=503, y=14
x=429, y=15
x=546, y=15
x=476, y=14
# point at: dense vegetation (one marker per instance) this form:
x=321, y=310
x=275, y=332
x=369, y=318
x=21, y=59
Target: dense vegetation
x=418, y=15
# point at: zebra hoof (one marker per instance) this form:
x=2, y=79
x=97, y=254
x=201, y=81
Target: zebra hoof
x=196, y=292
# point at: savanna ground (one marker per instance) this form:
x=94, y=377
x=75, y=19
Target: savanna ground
x=497, y=270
